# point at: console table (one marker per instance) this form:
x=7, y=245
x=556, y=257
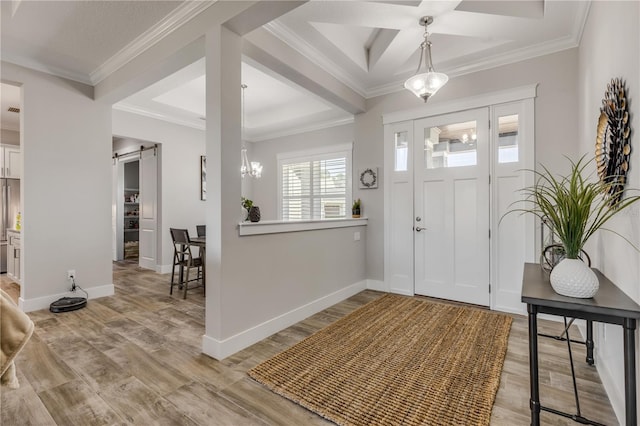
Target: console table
x=610, y=305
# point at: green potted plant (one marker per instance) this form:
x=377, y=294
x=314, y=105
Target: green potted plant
x=355, y=209
x=575, y=207
x=253, y=212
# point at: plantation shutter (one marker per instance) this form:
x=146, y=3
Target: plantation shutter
x=315, y=186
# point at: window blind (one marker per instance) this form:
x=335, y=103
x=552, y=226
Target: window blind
x=315, y=186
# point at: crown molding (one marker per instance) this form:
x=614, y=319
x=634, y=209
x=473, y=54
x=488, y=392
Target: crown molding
x=295, y=130
x=581, y=21
x=178, y=17
x=519, y=55
x=292, y=40
x=44, y=68
x=199, y=124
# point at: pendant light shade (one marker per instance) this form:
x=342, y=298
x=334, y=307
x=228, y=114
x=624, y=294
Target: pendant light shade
x=426, y=84
x=250, y=168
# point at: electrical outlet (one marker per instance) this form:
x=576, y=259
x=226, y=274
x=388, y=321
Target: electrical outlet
x=71, y=273
x=356, y=236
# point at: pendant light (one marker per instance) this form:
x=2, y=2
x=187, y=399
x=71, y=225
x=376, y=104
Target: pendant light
x=426, y=84
x=251, y=168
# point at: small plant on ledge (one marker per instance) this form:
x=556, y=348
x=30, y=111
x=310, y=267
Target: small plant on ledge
x=253, y=212
x=355, y=209
x=247, y=204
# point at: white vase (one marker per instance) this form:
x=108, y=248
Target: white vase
x=573, y=278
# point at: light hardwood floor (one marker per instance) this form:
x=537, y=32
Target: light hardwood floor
x=135, y=358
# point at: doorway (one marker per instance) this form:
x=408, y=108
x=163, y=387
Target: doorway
x=135, y=204
x=131, y=211
x=451, y=207
x=451, y=177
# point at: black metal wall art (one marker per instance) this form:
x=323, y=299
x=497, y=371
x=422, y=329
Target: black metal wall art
x=613, y=138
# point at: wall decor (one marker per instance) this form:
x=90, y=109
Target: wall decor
x=368, y=178
x=203, y=177
x=613, y=138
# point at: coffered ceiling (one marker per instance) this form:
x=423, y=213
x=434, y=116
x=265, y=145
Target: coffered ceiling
x=373, y=46
x=369, y=46
x=274, y=106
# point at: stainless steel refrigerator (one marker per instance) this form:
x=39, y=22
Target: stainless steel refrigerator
x=10, y=195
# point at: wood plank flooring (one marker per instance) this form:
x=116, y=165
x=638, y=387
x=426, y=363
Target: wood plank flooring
x=135, y=359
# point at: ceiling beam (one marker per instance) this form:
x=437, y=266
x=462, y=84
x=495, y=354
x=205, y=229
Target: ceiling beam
x=185, y=45
x=259, y=14
x=380, y=44
x=268, y=50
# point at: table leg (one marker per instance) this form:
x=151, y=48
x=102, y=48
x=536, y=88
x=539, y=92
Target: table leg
x=630, y=371
x=589, y=342
x=534, y=401
x=204, y=269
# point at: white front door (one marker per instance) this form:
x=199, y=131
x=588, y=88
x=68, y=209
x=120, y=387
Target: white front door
x=148, y=221
x=451, y=206
x=448, y=183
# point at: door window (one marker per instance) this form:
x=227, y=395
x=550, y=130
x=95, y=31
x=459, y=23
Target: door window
x=508, y=139
x=451, y=145
x=401, y=151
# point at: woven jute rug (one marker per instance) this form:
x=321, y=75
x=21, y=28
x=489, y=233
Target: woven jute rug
x=396, y=361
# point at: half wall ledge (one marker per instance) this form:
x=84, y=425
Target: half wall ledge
x=281, y=226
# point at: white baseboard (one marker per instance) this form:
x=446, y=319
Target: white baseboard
x=377, y=285
x=609, y=382
x=29, y=305
x=511, y=310
x=163, y=269
x=401, y=291
x=220, y=349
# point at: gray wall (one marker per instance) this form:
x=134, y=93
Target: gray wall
x=66, y=187
x=9, y=137
x=264, y=190
x=610, y=48
x=556, y=126
x=255, y=279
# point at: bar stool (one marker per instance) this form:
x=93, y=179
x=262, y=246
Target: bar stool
x=184, y=259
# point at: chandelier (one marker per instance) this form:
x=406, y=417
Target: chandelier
x=250, y=168
x=426, y=84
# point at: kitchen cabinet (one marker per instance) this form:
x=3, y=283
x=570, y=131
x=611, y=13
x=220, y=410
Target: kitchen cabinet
x=10, y=164
x=14, y=250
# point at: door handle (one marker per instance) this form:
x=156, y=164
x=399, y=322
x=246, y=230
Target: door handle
x=418, y=229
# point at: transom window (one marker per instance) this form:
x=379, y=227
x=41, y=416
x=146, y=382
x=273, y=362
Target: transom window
x=315, y=184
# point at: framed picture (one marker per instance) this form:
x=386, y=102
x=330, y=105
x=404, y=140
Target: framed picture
x=368, y=178
x=203, y=177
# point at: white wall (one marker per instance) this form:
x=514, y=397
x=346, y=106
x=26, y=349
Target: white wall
x=66, y=187
x=181, y=147
x=610, y=48
x=9, y=137
x=556, y=126
x=265, y=192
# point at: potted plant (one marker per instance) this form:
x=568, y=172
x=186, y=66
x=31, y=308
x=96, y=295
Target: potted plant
x=355, y=209
x=575, y=207
x=253, y=212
